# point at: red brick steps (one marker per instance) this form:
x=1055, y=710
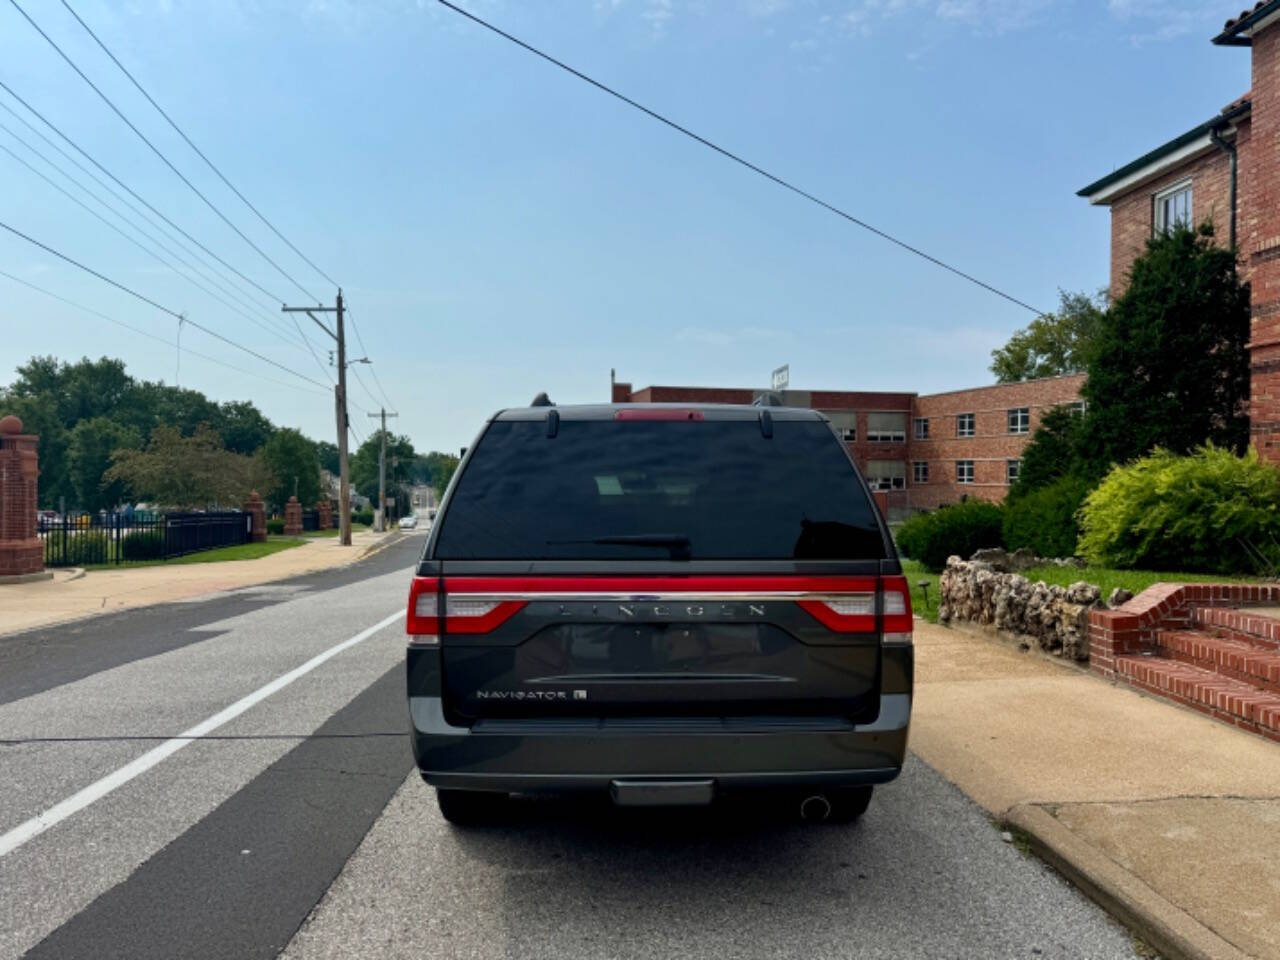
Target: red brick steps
x=1234, y=659
x=1243, y=625
x=1234, y=701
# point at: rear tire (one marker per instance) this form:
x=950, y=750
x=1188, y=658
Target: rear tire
x=848, y=803
x=473, y=808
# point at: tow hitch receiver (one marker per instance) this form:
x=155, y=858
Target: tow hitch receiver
x=662, y=793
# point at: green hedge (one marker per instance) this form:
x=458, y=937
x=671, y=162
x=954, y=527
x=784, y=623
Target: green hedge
x=1209, y=512
x=80, y=548
x=363, y=516
x=143, y=546
x=275, y=526
x=1044, y=520
x=959, y=529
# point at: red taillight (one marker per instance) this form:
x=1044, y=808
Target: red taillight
x=659, y=413
x=856, y=612
x=461, y=614
x=898, y=623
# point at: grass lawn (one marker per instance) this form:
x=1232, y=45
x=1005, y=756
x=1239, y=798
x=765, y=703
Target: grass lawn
x=1108, y=579
x=242, y=551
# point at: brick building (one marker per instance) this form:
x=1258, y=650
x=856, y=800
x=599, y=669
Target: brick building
x=1226, y=170
x=919, y=451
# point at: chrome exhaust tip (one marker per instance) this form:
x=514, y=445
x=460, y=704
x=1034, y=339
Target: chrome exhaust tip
x=815, y=809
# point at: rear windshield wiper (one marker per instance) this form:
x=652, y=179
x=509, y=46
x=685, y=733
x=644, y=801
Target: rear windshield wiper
x=680, y=546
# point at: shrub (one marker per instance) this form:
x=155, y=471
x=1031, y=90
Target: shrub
x=1211, y=512
x=959, y=529
x=80, y=548
x=363, y=516
x=1044, y=520
x=275, y=526
x=143, y=546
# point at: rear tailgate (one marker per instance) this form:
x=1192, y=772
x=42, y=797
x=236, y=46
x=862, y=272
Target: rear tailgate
x=671, y=645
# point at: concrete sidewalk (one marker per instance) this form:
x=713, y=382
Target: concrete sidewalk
x=108, y=590
x=1169, y=818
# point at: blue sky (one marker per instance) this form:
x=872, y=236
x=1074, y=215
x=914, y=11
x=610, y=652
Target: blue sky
x=501, y=228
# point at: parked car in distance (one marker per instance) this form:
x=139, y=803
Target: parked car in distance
x=409, y=522
x=663, y=604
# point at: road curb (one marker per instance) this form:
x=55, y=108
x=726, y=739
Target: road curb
x=1166, y=927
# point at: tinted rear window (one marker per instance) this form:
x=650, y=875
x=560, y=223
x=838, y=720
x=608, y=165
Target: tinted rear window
x=730, y=492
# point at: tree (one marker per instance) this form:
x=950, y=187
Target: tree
x=187, y=472
x=439, y=471
x=243, y=427
x=295, y=466
x=1053, y=344
x=1052, y=453
x=87, y=388
x=328, y=453
x=1169, y=366
x=364, y=465
x=89, y=453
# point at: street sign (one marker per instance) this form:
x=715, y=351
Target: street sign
x=782, y=377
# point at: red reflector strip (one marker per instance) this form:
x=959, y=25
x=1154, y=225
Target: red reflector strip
x=658, y=414
x=642, y=586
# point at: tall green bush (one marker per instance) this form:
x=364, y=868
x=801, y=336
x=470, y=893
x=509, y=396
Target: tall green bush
x=1044, y=520
x=958, y=529
x=1211, y=512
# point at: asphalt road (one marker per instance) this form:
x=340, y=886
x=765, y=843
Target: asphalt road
x=296, y=824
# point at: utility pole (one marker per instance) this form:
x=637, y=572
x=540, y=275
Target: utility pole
x=382, y=470
x=340, y=403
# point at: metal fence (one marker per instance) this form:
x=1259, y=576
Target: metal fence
x=87, y=539
x=310, y=519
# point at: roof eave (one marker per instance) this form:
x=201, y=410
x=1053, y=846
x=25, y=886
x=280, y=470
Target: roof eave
x=1222, y=120
x=1240, y=32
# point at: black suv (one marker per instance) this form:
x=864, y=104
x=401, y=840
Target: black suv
x=663, y=602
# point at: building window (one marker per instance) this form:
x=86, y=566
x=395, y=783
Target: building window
x=886, y=427
x=1020, y=420
x=1173, y=207
x=920, y=471
x=922, y=428
x=1077, y=408
x=886, y=474
x=964, y=471
x=845, y=424
x=1011, y=470
x=964, y=425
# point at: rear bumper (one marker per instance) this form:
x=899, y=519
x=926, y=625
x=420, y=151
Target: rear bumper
x=588, y=755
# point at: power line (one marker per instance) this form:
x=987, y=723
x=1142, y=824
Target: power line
x=120, y=183
x=173, y=313
x=209, y=273
x=372, y=369
x=198, y=151
x=737, y=159
x=153, y=336
x=145, y=249
x=154, y=149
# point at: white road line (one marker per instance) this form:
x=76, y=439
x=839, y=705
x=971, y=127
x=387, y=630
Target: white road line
x=96, y=791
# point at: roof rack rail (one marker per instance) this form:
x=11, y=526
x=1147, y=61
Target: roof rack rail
x=542, y=400
x=767, y=398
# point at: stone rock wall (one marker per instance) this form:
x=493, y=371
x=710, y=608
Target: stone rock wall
x=1056, y=618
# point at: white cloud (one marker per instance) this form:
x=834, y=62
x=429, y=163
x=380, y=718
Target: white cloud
x=1156, y=21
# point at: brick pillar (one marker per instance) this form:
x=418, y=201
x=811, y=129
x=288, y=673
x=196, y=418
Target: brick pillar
x=258, y=512
x=1259, y=239
x=324, y=514
x=21, y=552
x=293, y=518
